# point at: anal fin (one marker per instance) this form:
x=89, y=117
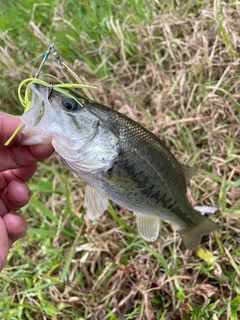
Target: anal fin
x=148, y=226
x=95, y=201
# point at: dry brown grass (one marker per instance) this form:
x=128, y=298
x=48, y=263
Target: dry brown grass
x=183, y=84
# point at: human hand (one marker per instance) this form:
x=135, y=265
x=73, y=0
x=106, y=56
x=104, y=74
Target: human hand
x=17, y=165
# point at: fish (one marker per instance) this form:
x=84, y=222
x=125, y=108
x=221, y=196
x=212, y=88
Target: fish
x=118, y=159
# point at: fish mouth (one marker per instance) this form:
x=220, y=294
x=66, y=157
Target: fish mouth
x=40, y=99
x=38, y=118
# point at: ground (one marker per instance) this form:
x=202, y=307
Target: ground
x=173, y=66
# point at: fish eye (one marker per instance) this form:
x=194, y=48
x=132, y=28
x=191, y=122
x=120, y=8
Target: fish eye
x=70, y=104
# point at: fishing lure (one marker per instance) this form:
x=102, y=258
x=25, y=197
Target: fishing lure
x=44, y=59
x=77, y=83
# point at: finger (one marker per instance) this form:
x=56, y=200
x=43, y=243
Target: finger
x=17, y=157
x=16, y=225
x=15, y=196
x=4, y=244
x=8, y=124
x=41, y=152
x=21, y=174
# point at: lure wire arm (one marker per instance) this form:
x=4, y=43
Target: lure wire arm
x=72, y=75
x=44, y=59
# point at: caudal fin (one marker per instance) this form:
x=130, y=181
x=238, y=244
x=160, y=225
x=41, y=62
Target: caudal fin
x=191, y=237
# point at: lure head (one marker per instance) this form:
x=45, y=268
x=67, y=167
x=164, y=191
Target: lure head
x=59, y=117
x=39, y=101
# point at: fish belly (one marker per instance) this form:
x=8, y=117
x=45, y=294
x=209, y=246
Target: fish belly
x=136, y=185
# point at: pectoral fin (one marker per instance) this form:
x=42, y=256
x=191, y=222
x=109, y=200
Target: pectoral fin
x=95, y=201
x=148, y=226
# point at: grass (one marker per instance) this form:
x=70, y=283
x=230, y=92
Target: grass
x=174, y=68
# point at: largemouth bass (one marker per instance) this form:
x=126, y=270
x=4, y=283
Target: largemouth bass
x=119, y=160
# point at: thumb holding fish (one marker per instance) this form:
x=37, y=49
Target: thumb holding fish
x=17, y=165
x=14, y=156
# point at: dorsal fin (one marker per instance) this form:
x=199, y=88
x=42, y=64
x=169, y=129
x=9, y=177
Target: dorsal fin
x=188, y=172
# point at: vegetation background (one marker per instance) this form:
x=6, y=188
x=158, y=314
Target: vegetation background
x=173, y=66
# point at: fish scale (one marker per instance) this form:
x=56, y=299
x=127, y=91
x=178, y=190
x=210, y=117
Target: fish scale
x=119, y=160
x=136, y=142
